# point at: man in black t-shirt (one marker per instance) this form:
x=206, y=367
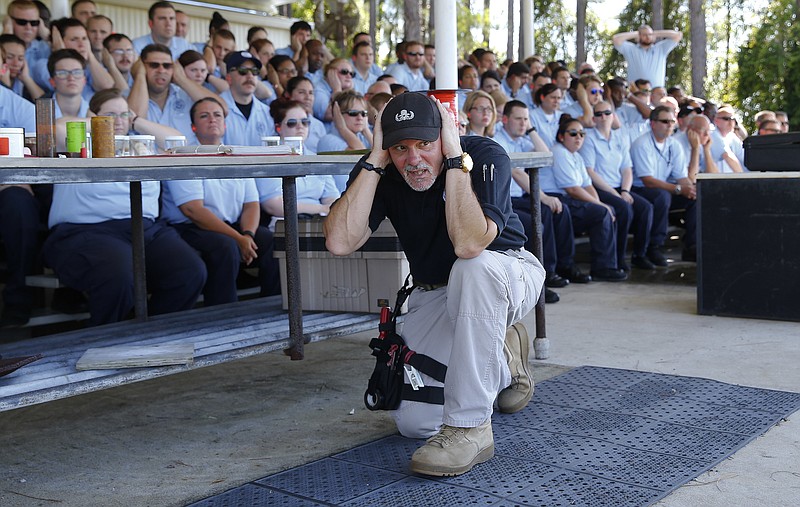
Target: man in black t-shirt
x=448, y=199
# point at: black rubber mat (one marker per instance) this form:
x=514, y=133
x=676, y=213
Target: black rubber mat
x=590, y=437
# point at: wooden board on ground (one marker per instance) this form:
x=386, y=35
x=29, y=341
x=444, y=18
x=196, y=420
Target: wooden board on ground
x=136, y=356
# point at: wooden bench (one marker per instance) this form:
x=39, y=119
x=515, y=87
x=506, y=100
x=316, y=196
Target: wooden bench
x=221, y=333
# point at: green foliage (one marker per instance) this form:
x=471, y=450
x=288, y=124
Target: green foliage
x=769, y=66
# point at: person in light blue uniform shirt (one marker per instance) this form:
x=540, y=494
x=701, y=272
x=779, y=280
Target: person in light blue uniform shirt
x=589, y=214
x=660, y=175
x=27, y=24
x=545, y=119
x=339, y=76
x=249, y=119
x=299, y=33
x=351, y=128
x=301, y=89
x=19, y=219
x=558, y=246
x=515, y=86
x=314, y=193
x=156, y=97
x=89, y=248
x=363, y=57
x=410, y=74
x=16, y=111
x=162, y=23
x=725, y=140
x=647, y=59
x=606, y=153
x=66, y=67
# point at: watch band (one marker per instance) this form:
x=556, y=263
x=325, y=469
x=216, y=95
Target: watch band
x=363, y=164
x=249, y=233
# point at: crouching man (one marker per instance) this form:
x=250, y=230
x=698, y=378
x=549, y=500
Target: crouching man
x=448, y=199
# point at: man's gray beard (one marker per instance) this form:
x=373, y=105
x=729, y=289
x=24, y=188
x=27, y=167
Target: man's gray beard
x=407, y=177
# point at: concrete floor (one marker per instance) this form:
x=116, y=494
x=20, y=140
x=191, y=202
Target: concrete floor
x=178, y=439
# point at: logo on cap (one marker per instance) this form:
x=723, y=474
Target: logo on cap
x=404, y=115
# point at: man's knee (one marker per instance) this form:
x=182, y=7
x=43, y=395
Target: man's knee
x=418, y=420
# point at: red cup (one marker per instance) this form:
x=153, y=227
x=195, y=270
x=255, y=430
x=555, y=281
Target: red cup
x=447, y=97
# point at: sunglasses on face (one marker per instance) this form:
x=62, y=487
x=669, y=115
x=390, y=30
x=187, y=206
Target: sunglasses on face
x=156, y=65
x=243, y=71
x=595, y=91
x=292, y=123
x=23, y=22
x=665, y=121
x=63, y=74
x=415, y=54
x=697, y=110
x=354, y=113
x=575, y=133
x=598, y=114
x=346, y=72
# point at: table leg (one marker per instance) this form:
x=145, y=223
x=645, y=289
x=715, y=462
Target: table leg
x=541, y=344
x=137, y=244
x=293, y=268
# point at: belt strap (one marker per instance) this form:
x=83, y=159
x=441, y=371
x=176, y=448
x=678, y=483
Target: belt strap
x=429, y=286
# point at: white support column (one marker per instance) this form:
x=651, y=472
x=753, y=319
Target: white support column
x=526, y=29
x=60, y=9
x=445, y=39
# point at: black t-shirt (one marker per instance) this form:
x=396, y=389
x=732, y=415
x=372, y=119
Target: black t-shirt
x=419, y=217
x=245, y=109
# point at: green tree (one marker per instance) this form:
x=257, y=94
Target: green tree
x=769, y=66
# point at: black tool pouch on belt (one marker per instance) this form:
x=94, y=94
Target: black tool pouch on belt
x=386, y=387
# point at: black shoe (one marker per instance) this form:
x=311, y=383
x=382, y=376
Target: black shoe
x=609, y=275
x=623, y=266
x=70, y=301
x=574, y=275
x=550, y=296
x=689, y=254
x=555, y=281
x=642, y=262
x=656, y=257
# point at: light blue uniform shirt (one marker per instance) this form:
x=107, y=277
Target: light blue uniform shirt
x=247, y=131
x=322, y=98
x=632, y=122
x=569, y=169
x=519, y=145
x=287, y=51
x=38, y=50
x=575, y=110
x=223, y=197
x=547, y=129
x=16, y=112
x=361, y=84
x=523, y=94
x=335, y=142
x=730, y=143
x=175, y=113
x=91, y=203
x=177, y=45
x=316, y=131
x=413, y=80
x=84, y=109
x=683, y=141
x=666, y=164
x=650, y=64
x=310, y=189
x=608, y=157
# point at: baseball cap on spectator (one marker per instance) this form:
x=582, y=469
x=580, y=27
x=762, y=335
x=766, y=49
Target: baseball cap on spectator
x=235, y=59
x=410, y=116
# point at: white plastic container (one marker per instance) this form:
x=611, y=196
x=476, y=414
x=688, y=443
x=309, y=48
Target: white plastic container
x=12, y=142
x=171, y=142
x=142, y=145
x=122, y=146
x=296, y=143
x=270, y=140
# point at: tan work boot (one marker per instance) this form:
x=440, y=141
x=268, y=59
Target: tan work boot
x=454, y=451
x=516, y=396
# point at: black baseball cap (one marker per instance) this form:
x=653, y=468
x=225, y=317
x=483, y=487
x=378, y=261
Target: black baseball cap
x=236, y=58
x=410, y=115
